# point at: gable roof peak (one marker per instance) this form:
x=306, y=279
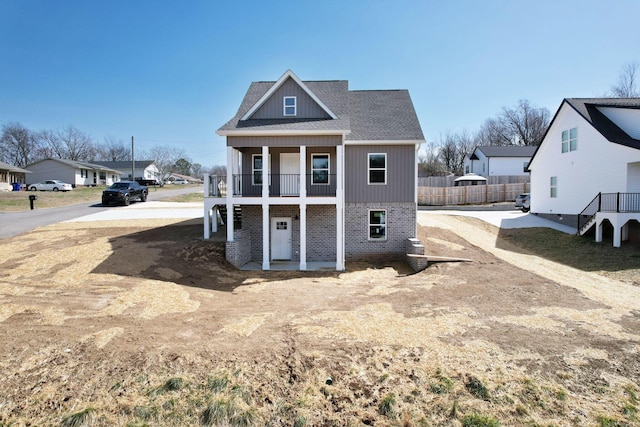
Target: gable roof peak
x=287, y=75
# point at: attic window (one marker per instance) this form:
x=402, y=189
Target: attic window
x=290, y=106
x=570, y=140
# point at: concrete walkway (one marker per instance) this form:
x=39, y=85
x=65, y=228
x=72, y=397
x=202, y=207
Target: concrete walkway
x=147, y=210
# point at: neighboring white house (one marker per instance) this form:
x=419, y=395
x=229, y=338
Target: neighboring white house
x=495, y=160
x=71, y=171
x=144, y=169
x=587, y=168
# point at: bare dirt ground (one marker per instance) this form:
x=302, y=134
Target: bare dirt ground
x=143, y=323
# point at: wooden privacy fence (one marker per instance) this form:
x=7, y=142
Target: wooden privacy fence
x=471, y=194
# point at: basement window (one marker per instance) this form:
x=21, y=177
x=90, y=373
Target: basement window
x=378, y=224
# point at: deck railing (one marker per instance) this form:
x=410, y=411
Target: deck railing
x=280, y=185
x=609, y=202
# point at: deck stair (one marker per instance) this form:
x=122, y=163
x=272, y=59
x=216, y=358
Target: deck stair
x=237, y=215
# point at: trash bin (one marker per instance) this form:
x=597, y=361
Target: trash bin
x=16, y=186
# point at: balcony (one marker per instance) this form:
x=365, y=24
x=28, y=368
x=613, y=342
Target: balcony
x=280, y=185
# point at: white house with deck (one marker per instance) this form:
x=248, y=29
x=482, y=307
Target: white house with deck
x=586, y=171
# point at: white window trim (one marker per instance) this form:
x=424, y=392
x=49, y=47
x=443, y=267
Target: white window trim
x=285, y=106
x=253, y=170
x=328, y=168
x=552, y=187
x=369, y=169
x=369, y=225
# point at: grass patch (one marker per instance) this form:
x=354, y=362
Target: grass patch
x=477, y=389
x=386, y=407
x=217, y=384
x=476, y=420
x=78, y=419
x=580, y=252
x=173, y=384
x=186, y=198
x=606, y=421
x=226, y=412
x=444, y=385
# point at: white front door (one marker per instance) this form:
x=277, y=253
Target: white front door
x=280, y=238
x=289, y=174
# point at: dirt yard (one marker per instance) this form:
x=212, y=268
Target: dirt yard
x=143, y=323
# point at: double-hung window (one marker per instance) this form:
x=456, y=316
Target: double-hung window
x=378, y=224
x=290, y=106
x=256, y=169
x=553, y=187
x=377, y=168
x=570, y=140
x=320, y=169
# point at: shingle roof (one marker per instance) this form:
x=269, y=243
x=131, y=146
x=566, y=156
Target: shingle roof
x=78, y=164
x=588, y=108
x=383, y=115
x=7, y=167
x=368, y=115
x=125, y=164
x=507, y=150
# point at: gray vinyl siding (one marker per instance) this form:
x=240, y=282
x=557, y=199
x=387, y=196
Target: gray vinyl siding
x=306, y=107
x=283, y=141
x=401, y=179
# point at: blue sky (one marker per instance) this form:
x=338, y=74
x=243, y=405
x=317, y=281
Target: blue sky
x=172, y=72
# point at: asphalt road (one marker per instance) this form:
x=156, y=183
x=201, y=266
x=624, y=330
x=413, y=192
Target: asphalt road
x=14, y=223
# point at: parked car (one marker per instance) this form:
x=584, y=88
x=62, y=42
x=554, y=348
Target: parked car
x=180, y=181
x=523, y=201
x=50, y=185
x=122, y=192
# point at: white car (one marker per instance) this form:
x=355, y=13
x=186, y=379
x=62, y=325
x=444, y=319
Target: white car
x=180, y=181
x=50, y=185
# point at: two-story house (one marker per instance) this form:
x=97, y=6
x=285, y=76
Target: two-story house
x=586, y=171
x=496, y=160
x=316, y=174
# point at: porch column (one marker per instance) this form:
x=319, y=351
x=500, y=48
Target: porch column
x=230, y=167
x=207, y=212
x=303, y=173
x=265, y=171
x=340, y=207
x=303, y=236
x=598, y=230
x=303, y=207
x=265, y=235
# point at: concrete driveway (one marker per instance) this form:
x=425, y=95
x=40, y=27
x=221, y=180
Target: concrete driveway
x=504, y=218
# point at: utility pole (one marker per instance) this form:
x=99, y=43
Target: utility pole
x=133, y=163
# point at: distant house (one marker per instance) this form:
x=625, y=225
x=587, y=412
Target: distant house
x=76, y=173
x=317, y=174
x=495, y=160
x=144, y=169
x=176, y=176
x=587, y=168
x=10, y=174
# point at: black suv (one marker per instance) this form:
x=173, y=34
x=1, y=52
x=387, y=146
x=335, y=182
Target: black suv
x=122, y=192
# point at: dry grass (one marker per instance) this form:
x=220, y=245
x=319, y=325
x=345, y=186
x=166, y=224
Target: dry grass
x=143, y=323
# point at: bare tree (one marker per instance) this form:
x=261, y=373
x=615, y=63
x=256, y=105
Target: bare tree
x=17, y=145
x=78, y=145
x=430, y=164
x=165, y=158
x=113, y=150
x=449, y=154
x=50, y=145
x=523, y=124
x=627, y=86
